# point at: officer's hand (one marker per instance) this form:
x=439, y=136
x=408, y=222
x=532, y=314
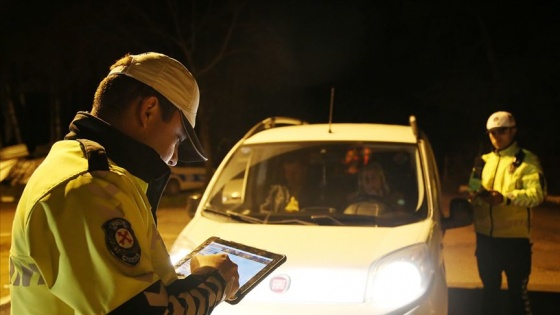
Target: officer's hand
x=226, y=268
x=491, y=197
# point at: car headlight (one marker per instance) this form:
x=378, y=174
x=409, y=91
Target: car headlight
x=399, y=279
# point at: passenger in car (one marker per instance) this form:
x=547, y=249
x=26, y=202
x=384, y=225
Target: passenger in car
x=373, y=186
x=294, y=192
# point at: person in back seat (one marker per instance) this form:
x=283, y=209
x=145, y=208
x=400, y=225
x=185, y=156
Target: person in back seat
x=373, y=186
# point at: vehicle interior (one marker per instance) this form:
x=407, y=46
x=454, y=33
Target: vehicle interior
x=254, y=185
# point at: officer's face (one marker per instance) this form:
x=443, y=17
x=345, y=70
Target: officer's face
x=165, y=136
x=501, y=137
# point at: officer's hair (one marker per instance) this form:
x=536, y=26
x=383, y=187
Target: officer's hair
x=116, y=92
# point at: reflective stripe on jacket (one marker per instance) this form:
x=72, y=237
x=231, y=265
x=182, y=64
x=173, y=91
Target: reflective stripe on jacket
x=517, y=174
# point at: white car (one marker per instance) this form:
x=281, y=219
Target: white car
x=343, y=256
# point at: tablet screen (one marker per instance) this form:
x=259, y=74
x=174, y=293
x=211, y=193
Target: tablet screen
x=253, y=264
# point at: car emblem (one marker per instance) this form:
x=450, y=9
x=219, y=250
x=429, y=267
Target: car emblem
x=279, y=284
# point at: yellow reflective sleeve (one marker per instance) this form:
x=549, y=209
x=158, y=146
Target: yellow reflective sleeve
x=101, y=240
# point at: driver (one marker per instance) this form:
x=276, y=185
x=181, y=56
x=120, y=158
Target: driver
x=294, y=193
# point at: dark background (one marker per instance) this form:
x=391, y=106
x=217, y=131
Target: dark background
x=449, y=63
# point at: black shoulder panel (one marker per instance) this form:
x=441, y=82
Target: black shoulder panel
x=95, y=154
x=519, y=157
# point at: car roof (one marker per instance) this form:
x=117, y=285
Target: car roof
x=335, y=132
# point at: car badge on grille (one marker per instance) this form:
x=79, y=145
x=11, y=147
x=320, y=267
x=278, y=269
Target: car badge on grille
x=280, y=284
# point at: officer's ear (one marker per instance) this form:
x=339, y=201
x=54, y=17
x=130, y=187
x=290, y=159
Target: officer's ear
x=145, y=110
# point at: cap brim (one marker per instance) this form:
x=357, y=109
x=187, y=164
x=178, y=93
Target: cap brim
x=190, y=150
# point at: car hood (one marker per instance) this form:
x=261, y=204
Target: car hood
x=325, y=264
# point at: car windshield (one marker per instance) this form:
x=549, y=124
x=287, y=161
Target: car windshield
x=328, y=183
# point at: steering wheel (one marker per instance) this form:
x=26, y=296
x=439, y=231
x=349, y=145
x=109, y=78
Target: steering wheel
x=372, y=206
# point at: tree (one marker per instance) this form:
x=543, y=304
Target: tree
x=79, y=40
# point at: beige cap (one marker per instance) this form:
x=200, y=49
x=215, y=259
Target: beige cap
x=171, y=79
x=500, y=119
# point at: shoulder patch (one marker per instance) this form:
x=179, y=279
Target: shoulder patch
x=121, y=241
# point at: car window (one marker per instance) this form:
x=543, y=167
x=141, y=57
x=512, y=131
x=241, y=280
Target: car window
x=328, y=183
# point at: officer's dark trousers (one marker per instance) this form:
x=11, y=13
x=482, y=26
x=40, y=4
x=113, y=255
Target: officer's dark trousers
x=509, y=255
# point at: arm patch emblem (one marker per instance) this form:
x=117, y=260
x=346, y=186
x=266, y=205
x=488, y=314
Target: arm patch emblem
x=121, y=241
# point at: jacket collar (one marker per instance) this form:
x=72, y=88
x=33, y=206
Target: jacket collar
x=512, y=149
x=137, y=158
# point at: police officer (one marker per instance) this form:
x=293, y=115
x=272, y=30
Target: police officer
x=84, y=236
x=512, y=184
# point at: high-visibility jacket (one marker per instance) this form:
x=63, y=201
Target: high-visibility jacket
x=84, y=236
x=517, y=174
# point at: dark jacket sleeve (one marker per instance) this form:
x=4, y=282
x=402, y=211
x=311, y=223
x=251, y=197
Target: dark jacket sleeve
x=199, y=294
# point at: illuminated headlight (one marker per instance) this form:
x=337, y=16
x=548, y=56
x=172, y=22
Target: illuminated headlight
x=399, y=279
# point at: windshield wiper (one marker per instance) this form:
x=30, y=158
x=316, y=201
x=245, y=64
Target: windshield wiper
x=250, y=219
x=326, y=216
x=234, y=215
x=243, y=217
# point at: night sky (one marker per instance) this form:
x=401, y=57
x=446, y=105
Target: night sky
x=450, y=63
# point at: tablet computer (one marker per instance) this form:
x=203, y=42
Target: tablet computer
x=253, y=264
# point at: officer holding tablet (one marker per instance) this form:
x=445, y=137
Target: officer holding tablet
x=512, y=183
x=84, y=236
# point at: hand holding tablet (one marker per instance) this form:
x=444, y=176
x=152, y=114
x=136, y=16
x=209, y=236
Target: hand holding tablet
x=253, y=264
x=225, y=266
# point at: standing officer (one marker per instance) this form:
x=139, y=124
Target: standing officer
x=84, y=236
x=512, y=184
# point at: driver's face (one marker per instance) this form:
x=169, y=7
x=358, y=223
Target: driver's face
x=372, y=182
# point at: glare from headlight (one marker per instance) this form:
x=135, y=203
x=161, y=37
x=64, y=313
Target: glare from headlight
x=389, y=287
x=399, y=278
x=177, y=255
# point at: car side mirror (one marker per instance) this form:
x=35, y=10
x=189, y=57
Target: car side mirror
x=460, y=214
x=193, y=200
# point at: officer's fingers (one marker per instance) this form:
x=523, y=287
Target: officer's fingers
x=214, y=260
x=231, y=287
x=195, y=263
x=228, y=269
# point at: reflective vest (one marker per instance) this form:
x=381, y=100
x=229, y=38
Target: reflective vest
x=517, y=174
x=112, y=242
x=84, y=236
